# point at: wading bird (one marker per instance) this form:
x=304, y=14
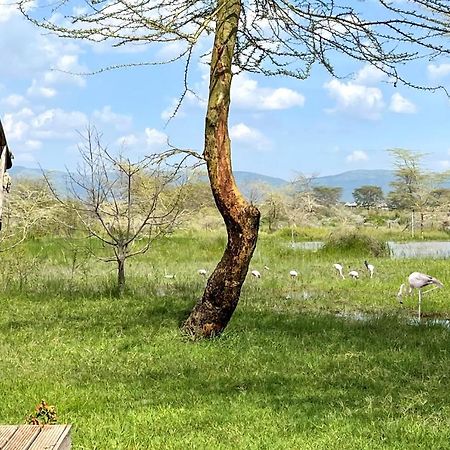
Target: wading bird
x=370, y=268
x=339, y=268
x=293, y=274
x=256, y=274
x=417, y=280
x=353, y=274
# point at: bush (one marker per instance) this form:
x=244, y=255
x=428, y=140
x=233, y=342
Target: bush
x=354, y=242
x=44, y=414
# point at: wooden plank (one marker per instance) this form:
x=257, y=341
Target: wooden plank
x=23, y=437
x=64, y=442
x=6, y=432
x=49, y=438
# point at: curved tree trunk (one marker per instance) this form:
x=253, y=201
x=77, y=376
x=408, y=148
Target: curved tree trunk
x=213, y=312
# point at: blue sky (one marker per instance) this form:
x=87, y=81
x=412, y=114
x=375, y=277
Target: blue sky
x=278, y=126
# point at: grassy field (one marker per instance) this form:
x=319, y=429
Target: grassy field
x=311, y=363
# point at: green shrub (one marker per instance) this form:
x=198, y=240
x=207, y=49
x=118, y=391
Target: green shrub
x=355, y=242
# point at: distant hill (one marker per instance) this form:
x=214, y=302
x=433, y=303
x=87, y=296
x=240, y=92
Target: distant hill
x=353, y=179
x=58, y=177
x=348, y=181
x=25, y=172
x=247, y=178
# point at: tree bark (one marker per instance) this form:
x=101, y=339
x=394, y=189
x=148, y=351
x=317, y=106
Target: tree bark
x=212, y=313
x=120, y=276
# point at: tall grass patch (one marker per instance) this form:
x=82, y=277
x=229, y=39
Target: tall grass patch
x=353, y=242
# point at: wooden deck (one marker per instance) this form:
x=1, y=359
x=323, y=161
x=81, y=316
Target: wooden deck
x=34, y=437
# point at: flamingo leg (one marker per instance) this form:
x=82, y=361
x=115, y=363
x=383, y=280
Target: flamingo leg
x=432, y=289
x=420, y=301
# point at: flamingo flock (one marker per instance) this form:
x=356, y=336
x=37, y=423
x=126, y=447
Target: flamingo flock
x=416, y=280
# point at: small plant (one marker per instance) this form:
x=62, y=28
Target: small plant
x=43, y=414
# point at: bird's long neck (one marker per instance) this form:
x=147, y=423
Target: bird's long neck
x=404, y=290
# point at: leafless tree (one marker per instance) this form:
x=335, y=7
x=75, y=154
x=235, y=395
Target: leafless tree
x=27, y=207
x=272, y=37
x=124, y=205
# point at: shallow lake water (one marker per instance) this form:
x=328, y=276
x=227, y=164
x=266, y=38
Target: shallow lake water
x=425, y=249
x=422, y=249
x=310, y=245
x=359, y=316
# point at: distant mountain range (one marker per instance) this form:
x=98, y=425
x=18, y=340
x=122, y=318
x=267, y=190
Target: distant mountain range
x=348, y=181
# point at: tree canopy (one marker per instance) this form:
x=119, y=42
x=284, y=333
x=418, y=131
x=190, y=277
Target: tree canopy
x=273, y=37
x=368, y=195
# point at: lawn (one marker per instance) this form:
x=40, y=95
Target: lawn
x=294, y=369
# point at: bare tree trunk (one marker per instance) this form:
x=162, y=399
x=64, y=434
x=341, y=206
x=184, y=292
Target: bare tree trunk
x=421, y=224
x=212, y=313
x=120, y=274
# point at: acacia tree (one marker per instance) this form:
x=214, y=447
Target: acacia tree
x=272, y=37
x=368, y=195
x=124, y=205
x=327, y=195
x=414, y=187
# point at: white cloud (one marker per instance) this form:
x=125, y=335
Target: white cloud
x=33, y=144
x=247, y=94
x=250, y=136
x=436, y=71
x=31, y=55
x=150, y=140
x=106, y=116
x=155, y=138
x=401, y=105
x=25, y=125
x=356, y=99
x=357, y=155
x=28, y=128
x=14, y=100
x=30, y=52
x=370, y=75
x=7, y=11
x=65, y=70
x=171, y=50
x=130, y=140
x=40, y=91
x=445, y=164
x=58, y=124
x=15, y=127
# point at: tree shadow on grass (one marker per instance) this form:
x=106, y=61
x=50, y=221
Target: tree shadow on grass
x=305, y=370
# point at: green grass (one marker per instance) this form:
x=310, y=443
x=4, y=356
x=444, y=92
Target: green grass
x=290, y=371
